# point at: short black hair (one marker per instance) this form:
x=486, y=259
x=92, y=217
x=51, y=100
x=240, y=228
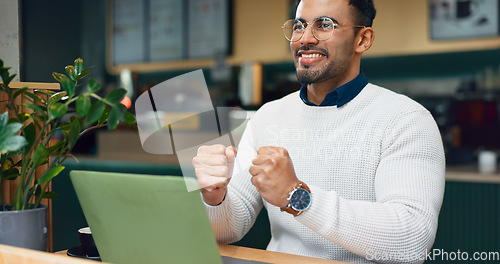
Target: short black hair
x=365, y=11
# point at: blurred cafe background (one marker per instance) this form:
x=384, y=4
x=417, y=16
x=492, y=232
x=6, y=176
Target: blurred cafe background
x=445, y=54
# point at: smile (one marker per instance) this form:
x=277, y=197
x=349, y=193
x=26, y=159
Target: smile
x=311, y=56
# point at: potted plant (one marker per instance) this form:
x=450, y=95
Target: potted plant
x=44, y=114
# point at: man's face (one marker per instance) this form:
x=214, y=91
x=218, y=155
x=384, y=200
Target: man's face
x=318, y=61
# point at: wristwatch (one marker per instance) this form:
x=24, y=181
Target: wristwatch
x=299, y=200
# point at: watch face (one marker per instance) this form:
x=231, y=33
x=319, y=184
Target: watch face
x=300, y=200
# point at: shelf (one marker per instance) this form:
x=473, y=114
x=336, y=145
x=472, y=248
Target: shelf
x=470, y=173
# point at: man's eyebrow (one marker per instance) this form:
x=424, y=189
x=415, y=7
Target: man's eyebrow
x=333, y=19
x=320, y=17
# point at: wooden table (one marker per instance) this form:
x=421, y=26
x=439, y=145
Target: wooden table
x=15, y=255
x=269, y=256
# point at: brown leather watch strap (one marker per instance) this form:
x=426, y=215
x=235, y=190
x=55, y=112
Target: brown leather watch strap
x=289, y=208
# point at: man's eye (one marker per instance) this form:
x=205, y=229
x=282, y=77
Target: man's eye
x=325, y=26
x=298, y=27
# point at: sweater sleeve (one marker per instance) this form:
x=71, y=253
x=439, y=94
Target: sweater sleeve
x=234, y=217
x=400, y=226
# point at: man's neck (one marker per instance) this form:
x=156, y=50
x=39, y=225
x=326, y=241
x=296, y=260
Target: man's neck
x=316, y=92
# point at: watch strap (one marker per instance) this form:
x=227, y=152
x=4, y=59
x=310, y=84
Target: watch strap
x=288, y=208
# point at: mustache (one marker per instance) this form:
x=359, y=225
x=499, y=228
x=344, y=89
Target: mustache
x=310, y=48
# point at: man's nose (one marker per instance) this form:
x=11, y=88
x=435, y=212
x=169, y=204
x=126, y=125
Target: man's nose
x=308, y=37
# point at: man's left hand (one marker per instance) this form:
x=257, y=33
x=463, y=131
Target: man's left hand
x=273, y=175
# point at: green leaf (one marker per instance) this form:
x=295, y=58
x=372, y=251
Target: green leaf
x=13, y=128
x=11, y=174
x=19, y=92
x=5, y=74
x=9, y=141
x=9, y=79
x=93, y=86
x=70, y=71
x=123, y=111
x=12, y=143
x=41, y=121
x=105, y=115
x=83, y=74
x=40, y=156
x=79, y=66
x=114, y=118
x=47, y=93
x=83, y=105
x=29, y=133
x=10, y=107
x=67, y=84
x=129, y=118
x=133, y=126
x=116, y=95
x=4, y=119
x=65, y=127
x=50, y=174
x=74, y=132
x=23, y=117
x=34, y=97
x=95, y=112
x=37, y=108
x=56, y=147
x=57, y=110
x=79, y=119
x=59, y=77
x=56, y=97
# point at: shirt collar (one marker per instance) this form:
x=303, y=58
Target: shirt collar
x=341, y=95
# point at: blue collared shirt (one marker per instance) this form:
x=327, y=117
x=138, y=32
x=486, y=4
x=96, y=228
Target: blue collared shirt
x=341, y=95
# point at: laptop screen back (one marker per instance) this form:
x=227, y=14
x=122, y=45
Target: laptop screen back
x=145, y=219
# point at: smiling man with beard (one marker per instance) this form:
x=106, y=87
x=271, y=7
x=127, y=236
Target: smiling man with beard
x=357, y=173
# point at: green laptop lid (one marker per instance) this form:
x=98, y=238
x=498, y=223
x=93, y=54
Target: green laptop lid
x=145, y=219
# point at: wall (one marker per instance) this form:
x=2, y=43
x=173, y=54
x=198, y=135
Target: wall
x=51, y=37
x=55, y=32
x=256, y=36
x=402, y=28
x=9, y=35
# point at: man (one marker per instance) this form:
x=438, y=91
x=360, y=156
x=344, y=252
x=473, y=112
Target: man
x=347, y=170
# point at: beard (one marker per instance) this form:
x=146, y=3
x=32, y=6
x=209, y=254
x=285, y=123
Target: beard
x=327, y=71
x=307, y=76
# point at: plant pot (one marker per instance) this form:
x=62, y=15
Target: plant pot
x=24, y=228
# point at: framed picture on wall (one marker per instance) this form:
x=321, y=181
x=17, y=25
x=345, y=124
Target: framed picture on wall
x=208, y=28
x=461, y=19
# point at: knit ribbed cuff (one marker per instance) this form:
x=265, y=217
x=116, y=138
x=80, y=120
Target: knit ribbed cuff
x=322, y=210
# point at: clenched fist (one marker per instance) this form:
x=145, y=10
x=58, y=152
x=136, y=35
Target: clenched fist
x=273, y=175
x=213, y=168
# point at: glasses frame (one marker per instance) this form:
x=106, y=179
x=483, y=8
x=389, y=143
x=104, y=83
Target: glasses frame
x=335, y=25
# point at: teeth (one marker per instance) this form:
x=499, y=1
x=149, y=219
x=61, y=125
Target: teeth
x=310, y=56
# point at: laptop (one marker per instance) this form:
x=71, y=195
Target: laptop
x=138, y=218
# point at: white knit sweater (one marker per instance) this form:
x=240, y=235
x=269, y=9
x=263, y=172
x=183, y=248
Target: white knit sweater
x=375, y=167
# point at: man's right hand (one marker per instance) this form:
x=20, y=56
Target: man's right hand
x=213, y=167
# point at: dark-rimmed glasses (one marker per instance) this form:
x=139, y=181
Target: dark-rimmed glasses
x=322, y=28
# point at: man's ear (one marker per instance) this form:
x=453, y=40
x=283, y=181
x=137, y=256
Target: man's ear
x=364, y=39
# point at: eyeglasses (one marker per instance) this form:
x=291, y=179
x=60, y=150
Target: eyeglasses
x=322, y=28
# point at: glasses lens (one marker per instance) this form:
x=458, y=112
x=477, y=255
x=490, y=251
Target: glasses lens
x=323, y=28
x=293, y=30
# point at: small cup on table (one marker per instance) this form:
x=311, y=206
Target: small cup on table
x=87, y=242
